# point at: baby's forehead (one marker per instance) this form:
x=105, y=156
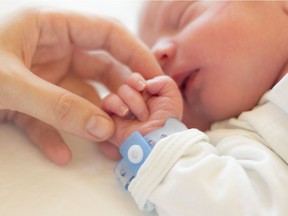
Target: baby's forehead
x=155, y=13
x=148, y=10
x=151, y=9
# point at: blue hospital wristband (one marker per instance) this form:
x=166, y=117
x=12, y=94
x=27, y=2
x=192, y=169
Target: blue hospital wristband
x=137, y=148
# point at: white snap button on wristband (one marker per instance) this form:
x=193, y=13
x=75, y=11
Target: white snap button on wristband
x=135, y=154
x=134, y=151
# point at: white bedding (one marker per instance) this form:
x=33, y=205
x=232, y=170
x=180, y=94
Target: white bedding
x=30, y=185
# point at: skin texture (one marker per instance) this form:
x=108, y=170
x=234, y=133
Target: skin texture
x=159, y=98
x=46, y=57
x=224, y=55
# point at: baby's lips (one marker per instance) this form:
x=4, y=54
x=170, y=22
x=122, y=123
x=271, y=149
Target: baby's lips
x=182, y=77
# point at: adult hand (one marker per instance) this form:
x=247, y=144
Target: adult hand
x=46, y=58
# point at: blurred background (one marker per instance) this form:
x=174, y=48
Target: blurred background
x=124, y=10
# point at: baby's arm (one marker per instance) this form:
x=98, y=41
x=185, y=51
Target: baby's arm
x=143, y=105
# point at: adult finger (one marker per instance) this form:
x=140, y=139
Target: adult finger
x=96, y=32
x=99, y=66
x=45, y=137
x=24, y=92
x=80, y=87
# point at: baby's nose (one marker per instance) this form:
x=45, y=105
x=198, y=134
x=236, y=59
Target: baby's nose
x=164, y=51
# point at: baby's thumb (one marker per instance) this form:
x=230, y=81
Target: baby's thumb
x=57, y=107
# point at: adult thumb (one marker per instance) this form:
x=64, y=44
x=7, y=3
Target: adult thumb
x=29, y=94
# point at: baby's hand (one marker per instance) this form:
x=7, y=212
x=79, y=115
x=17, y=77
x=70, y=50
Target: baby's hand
x=142, y=105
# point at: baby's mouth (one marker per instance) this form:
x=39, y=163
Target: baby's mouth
x=183, y=85
x=185, y=81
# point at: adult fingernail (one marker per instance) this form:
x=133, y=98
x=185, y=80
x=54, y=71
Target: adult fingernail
x=100, y=127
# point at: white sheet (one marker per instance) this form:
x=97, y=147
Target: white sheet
x=30, y=185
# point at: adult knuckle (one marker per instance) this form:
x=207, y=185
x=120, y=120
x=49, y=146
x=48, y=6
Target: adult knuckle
x=63, y=107
x=115, y=27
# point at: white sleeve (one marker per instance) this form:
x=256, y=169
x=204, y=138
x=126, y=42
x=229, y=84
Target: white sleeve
x=185, y=175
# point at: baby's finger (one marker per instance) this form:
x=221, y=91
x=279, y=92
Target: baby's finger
x=112, y=103
x=134, y=100
x=163, y=86
x=136, y=81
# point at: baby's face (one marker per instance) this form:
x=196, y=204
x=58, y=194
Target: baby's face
x=223, y=55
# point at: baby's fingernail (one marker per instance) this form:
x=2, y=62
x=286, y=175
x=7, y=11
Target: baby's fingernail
x=123, y=110
x=141, y=85
x=100, y=127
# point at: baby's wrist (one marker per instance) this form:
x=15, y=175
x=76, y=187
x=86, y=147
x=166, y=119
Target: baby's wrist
x=170, y=126
x=151, y=126
x=136, y=148
x=143, y=130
